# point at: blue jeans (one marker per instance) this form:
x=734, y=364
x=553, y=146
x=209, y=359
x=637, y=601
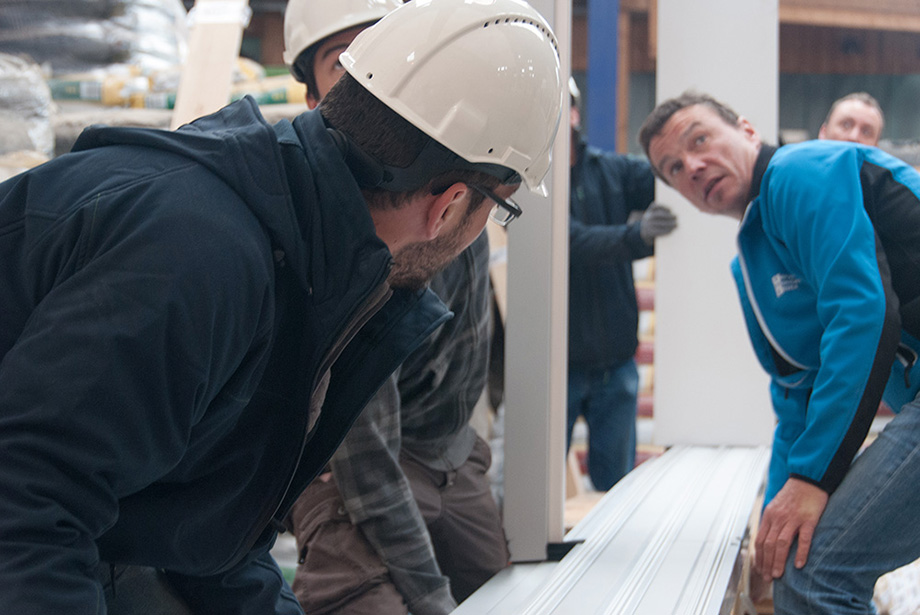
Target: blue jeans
x=871, y=526
x=607, y=400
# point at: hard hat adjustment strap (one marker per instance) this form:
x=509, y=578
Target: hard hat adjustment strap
x=432, y=160
x=366, y=170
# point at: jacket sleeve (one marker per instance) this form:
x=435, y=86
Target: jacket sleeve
x=616, y=177
x=100, y=391
x=821, y=220
x=789, y=406
x=640, y=183
x=379, y=501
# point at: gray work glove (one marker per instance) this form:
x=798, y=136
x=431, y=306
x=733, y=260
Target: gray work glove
x=657, y=220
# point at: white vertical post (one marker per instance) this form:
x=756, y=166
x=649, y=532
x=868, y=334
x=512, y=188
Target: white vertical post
x=215, y=34
x=709, y=388
x=536, y=343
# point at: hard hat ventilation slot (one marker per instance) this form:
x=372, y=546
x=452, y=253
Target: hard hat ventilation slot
x=370, y=75
x=546, y=31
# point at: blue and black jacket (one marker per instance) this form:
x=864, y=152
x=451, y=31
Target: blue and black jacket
x=828, y=272
x=175, y=310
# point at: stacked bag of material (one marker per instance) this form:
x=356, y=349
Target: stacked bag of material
x=96, y=50
x=119, y=53
x=26, y=135
x=114, y=62
x=75, y=36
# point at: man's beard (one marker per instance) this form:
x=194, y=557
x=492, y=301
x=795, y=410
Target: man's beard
x=417, y=263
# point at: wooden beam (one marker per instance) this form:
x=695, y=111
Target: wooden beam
x=895, y=15
x=892, y=7
x=266, y=26
x=636, y=6
x=215, y=35
x=623, y=74
x=653, y=29
x=847, y=51
x=861, y=19
x=579, y=43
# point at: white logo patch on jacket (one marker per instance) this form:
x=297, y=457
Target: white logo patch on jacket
x=785, y=282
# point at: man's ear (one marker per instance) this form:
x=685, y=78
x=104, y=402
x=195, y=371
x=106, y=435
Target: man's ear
x=312, y=101
x=446, y=209
x=822, y=131
x=748, y=130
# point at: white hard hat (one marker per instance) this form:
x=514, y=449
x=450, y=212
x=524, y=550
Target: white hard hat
x=481, y=77
x=309, y=21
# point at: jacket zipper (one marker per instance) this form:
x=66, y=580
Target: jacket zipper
x=749, y=291
x=378, y=297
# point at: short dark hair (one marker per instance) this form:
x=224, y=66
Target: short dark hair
x=383, y=134
x=302, y=69
x=303, y=65
x=660, y=115
x=863, y=97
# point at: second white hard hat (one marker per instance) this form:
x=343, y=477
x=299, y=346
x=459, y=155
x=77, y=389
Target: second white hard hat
x=574, y=92
x=481, y=77
x=307, y=22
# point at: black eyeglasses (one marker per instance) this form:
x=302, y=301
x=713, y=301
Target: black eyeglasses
x=504, y=210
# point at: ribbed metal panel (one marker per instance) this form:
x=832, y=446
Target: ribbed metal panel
x=665, y=540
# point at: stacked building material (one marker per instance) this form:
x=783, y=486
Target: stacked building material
x=76, y=36
x=25, y=108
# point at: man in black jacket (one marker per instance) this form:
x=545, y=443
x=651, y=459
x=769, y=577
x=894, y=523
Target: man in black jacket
x=604, y=240
x=191, y=321
x=407, y=509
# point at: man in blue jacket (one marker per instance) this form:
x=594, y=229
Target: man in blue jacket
x=606, y=190
x=828, y=272
x=191, y=321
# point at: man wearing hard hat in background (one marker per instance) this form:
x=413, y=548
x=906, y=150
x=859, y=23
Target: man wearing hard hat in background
x=316, y=32
x=192, y=320
x=606, y=190
x=406, y=520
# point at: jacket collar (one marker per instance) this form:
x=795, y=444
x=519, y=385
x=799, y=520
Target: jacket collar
x=342, y=246
x=760, y=167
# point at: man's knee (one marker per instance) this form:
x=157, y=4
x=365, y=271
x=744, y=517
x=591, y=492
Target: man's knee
x=338, y=571
x=821, y=590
